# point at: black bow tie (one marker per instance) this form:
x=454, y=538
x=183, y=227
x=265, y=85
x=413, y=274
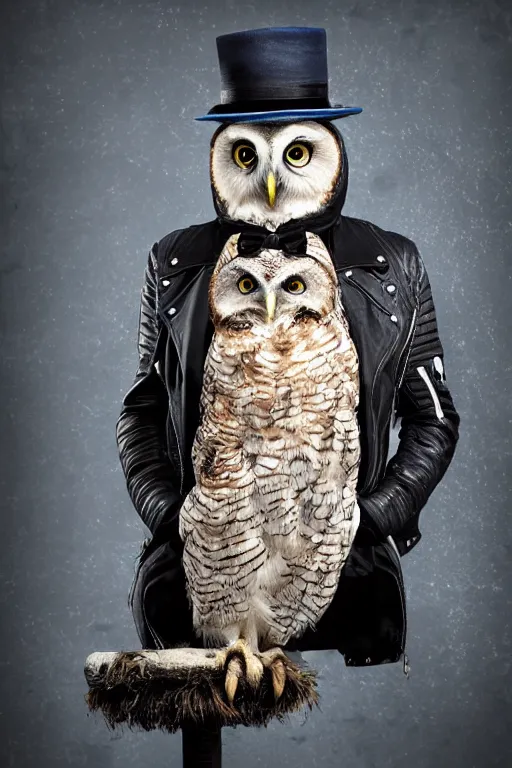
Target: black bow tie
x=290, y=237
x=253, y=238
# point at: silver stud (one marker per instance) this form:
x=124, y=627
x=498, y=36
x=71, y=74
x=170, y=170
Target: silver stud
x=348, y=272
x=390, y=288
x=381, y=258
x=172, y=310
x=165, y=282
x=174, y=261
x=394, y=319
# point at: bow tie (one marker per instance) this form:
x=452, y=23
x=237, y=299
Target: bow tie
x=253, y=238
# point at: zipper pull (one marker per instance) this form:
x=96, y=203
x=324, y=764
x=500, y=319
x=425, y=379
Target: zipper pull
x=407, y=666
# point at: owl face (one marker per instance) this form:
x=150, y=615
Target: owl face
x=270, y=290
x=270, y=173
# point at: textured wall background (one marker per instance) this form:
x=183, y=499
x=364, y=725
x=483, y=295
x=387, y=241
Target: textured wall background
x=100, y=158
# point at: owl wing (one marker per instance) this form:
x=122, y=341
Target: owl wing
x=219, y=523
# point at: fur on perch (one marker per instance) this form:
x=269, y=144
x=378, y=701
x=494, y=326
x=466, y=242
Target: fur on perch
x=169, y=688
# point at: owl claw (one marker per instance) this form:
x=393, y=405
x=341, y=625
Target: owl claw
x=273, y=659
x=233, y=674
x=278, y=677
x=251, y=667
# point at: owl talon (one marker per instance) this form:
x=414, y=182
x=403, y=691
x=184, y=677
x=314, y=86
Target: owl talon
x=233, y=674
x=278, y=677
x=240, y=661
x=273, y=660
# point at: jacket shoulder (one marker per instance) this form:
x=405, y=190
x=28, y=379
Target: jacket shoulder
x=369, y=228
x=401, y=250
x=186, y=240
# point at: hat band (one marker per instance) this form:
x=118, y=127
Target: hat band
x=273, y=92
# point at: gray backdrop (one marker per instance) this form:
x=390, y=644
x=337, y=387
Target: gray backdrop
x=100, y=158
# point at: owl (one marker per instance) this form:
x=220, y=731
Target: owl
x=270, y=521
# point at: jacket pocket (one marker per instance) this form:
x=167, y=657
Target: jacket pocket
x=431, y=388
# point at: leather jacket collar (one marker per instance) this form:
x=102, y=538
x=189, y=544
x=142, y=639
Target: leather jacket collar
x=348, y=245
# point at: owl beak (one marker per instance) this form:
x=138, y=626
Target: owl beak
x=271, y=189
x=270, y=300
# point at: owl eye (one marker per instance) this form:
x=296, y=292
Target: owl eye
x=294, y=285
x=297, y=154
x=247, y=284
x=244, y=155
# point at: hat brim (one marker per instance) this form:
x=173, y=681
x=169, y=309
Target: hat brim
x=282, y=116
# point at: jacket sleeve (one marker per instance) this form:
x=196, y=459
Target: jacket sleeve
x=151, y=477
x=429, y=427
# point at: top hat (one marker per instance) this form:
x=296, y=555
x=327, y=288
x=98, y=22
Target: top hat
x=275, y=74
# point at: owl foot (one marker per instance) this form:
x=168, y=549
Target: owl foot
x=240, y=661
x=273, y=660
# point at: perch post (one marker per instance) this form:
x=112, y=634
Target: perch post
x=202, y=747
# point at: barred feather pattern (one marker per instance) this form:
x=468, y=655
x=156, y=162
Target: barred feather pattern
x=270, y=521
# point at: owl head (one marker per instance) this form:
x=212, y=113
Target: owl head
x=269, y=173
x=272, y=290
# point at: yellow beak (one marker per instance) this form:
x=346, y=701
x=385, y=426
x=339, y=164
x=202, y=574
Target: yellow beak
x=270, y=300
x=271, y=189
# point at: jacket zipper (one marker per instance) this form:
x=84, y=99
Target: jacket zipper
x=424, y=375
x=154, y=635
x=383, y=360
x=171, y=419
x=406, y=665
x=156, y=638
x=402, y=368
x=393, y=544
x=408, y=339
x=182, y=473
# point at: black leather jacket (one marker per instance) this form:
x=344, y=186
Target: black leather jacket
x=386, y=295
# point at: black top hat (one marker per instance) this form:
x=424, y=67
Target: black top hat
x=274, y=74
